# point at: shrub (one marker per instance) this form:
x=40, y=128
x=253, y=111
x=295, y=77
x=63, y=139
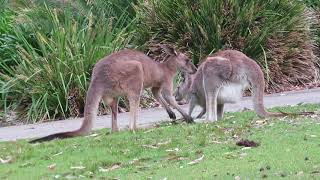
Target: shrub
x=53, y=69
x=7, y=38
x=312, y=3
x=206, y=26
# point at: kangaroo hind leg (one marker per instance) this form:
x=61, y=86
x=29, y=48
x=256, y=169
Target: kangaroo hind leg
x=134, y=88
x=220, y=111
x=113, y=103
x=215, y=73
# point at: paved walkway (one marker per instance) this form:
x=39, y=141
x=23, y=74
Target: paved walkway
x=150, y=116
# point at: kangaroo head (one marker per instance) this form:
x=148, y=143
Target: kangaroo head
x=184, y=88
x=185, y=64
x=181, y=60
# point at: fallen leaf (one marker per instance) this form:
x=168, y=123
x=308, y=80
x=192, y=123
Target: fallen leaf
x=150, y=130
x=6, y=161
x=93, y=135
x=300, y=173
x=25, y=164
x=171, y=150
x=216, y=142
x=52, y=166
x=77, y=167
x=57, y=154
x=246, y=148
x=57, y=176
x=71, y=177
x=164, y=143
x=260, y=122
x=116, y=166
x=230, y=117
x=134, y=161
x=242, y=155
x=150, y=146
x=175, y=158
x=230, y=155
x=196, y=161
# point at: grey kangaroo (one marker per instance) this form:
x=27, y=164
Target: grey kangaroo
x=127, y=73
x=221, y=79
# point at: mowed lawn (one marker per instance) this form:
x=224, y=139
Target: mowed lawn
x=289, y=148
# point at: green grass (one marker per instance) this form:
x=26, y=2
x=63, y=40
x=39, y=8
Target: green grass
x=289, y=148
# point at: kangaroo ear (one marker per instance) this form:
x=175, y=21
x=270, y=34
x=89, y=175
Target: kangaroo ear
x=169, y=50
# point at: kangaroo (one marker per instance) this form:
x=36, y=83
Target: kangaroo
x=221, y=79
x=127, y=73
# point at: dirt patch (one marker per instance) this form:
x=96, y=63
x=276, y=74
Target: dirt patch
x=247, y=143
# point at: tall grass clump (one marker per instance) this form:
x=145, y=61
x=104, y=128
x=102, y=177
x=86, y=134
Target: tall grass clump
x=312, y=3
x=252, y=26
x=313, y=16
x=54, y=67
x=315, y=6
x=7, y=43
x=114, y=8
x=7, y=39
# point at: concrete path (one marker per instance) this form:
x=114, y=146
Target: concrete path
x=150, y=116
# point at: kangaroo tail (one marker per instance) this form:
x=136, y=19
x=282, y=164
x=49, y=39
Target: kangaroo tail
x=92, y=103
x=304, y=113
x=54, y=136
x=256, y=79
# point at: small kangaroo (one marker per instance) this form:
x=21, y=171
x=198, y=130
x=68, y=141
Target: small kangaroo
x=127, y=73
x=221, y=79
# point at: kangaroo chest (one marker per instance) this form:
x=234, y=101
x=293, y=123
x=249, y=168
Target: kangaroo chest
x=230, y=93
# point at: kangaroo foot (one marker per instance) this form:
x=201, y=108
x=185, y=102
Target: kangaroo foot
x=188, y=119
x=172, y=115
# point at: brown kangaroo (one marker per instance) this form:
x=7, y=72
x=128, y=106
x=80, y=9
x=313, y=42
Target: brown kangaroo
x=221, y=79
x=127, y=73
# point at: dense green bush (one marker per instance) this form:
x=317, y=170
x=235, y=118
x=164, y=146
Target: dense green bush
x=52, y=72
x=206, y=26
x=114, y=8
x=7, y=38
x=313, y=3
x=314, y=19
x=7, y=44
x=316, y=8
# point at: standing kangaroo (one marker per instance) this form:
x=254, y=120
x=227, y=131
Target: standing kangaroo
x=221, y=79
x=127, y=73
